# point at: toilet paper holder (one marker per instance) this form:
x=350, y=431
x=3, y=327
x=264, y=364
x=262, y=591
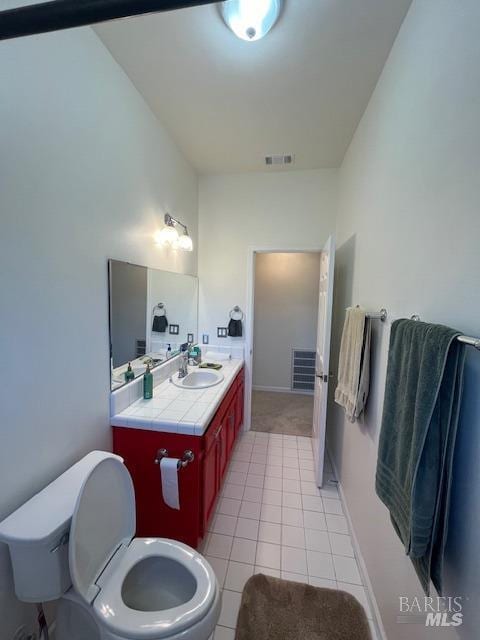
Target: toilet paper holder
x=188, y=456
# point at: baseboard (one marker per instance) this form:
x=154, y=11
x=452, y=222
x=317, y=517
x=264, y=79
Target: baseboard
x=377, y=618
x=282, y=390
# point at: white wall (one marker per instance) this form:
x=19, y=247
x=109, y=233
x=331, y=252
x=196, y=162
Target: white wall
x=263, y=210
x=408, y=233
x=286, y=311
x=86, y=172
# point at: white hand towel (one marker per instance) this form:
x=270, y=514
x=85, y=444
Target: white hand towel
x=350, y=361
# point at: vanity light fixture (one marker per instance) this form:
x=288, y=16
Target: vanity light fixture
x=169, y=236
x=250, y=20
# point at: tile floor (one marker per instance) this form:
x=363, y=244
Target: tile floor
x=272, y=519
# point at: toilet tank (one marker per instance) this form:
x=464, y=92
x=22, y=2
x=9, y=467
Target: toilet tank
x=37, y=534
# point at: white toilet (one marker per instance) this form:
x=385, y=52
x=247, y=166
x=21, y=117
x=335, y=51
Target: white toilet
x=74, y=541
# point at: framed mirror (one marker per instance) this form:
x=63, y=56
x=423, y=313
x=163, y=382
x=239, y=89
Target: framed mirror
x=152, y=313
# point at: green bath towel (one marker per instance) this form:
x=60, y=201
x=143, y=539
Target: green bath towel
x=415, y=455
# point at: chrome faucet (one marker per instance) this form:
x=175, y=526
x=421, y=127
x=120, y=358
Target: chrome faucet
x=183, y=370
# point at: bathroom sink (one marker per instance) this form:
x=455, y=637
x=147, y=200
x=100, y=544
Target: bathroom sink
x=198, y=380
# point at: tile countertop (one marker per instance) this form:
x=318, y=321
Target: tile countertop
x=176, y=410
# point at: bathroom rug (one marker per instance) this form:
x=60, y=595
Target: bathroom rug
x=275, y=609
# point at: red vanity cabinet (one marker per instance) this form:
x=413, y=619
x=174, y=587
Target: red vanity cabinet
x=199, y=482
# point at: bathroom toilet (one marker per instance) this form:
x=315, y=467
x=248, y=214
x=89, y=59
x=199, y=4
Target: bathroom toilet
x=122, y=588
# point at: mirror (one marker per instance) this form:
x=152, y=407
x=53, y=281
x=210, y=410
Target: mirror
x=150, y=311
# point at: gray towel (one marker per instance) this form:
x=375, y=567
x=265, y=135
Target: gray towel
x=415, y=455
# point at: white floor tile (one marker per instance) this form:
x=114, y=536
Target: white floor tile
x=237, y=575
x=332, y=506
x=250, y=510
x=312, y=503
x=260, y=458
x=235, y=477
x=308, y=464
x=320, y=565
x=272, y=483
x=291, y=474
x=241, y=456
x=254, y=480
x=346, y=570
x=230, y=606
x=272, y=497
x=238, y=465
x=268, y=555
x=309, y=489
x=224, y=524
x=293, y=536
x=307, y=475
x=322, y=583
x=293, y=500
x=271, y=513
x=314, y=520
x=291, y=463
x=257, y=469
x=229, y=506
x=337, y=524
x=253, y=494
x=294, y=577
x=243, y=550
x=270, y=532
x=359, y=593
x=317, y=541
x=293, y=517
x=294, y=560
x=224, y=633
x=273, y=472
x=219, y=565
x=329, y=491
x=341, y=545
x=219, y=546
x=247, y=528
x=293, y=486
x=234, y=491
x=268, y=571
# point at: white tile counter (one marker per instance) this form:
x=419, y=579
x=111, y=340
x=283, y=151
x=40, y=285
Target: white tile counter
x=176, y=410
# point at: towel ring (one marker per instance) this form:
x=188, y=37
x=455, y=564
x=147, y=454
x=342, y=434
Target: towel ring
x=160, y=306
x=415, y=318
x=236, y=309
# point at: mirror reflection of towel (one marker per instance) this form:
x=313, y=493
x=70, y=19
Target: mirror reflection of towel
x=160, y=324
x=235, y=328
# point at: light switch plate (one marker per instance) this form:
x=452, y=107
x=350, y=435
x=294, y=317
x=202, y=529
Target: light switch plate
x=174, y=329
x=222, y=332
x=205, y=338
x=190, y=338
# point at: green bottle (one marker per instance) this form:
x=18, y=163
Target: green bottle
x=148, y=384
x=129, y=375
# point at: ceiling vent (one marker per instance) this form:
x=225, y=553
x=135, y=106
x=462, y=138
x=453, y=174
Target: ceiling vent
x=279, y=160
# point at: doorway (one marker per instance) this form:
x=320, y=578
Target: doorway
x=286, y=292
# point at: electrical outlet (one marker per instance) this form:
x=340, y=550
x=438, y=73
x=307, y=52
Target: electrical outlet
x=22, y=634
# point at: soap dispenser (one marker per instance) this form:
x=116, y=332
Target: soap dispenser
x=169, y=351
x=148, y=384
x=129, y=375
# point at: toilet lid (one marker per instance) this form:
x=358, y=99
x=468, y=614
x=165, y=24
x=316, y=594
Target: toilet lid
x=103, y=519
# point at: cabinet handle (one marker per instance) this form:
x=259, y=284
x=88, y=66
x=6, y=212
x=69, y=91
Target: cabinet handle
x=217, y=432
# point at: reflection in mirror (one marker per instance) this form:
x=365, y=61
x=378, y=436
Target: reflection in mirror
x=152, y=312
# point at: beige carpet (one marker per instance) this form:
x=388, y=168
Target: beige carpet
x=287, y=413
x=274, y=609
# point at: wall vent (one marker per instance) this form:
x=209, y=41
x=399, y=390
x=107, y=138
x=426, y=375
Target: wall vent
x=303, y=370
x=279, y=160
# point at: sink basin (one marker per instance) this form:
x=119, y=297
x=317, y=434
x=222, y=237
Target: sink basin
x=198, y=380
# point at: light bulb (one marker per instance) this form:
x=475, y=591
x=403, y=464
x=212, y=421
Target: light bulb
x=250, y=19
x=167, y=237
x=185, y=242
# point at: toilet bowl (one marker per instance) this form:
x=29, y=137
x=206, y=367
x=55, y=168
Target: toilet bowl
x=135, y=588
x=75, y=541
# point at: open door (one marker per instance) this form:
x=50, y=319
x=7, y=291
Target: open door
x=322, y=375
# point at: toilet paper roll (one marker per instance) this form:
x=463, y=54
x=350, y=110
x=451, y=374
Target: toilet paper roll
x=169, y=476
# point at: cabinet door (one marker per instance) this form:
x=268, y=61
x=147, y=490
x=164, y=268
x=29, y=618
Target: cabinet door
x=239, y=399
x=222, y=450
x=230, y=423
x=210, y=482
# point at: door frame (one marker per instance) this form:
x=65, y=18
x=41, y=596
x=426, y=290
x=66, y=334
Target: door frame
x=249, y=317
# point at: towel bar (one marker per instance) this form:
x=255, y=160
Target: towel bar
x=470, y=340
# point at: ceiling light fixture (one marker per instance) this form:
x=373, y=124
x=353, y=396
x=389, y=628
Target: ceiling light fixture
x=250, y=19
x=169, y=236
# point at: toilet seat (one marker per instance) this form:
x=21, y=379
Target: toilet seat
x=126, y=622
x=138, y=588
